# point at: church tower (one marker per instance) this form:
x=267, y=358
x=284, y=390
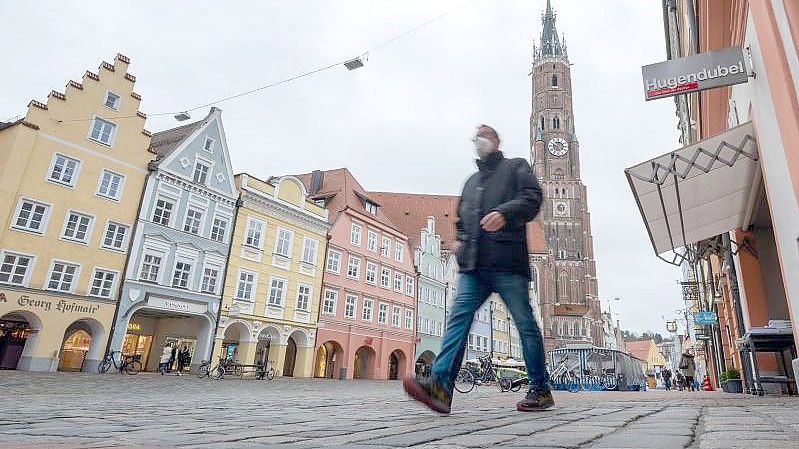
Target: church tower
x=569, y=300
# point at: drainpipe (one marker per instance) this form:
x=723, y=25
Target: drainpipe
x=736, y=299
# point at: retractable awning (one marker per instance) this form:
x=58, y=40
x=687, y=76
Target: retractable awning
x=698, y=191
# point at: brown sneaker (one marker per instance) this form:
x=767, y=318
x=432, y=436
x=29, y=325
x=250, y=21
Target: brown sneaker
x=536, y=400
x=429, y=393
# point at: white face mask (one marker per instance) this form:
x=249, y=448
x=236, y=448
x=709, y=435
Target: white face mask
x=483, y=146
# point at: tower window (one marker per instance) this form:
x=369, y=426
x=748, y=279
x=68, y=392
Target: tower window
x=554, y=80
x=542, y=123
x=556, y=122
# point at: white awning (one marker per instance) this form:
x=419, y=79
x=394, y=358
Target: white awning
x=698, y=191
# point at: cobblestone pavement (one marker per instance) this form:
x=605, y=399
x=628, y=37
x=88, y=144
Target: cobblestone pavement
x=63, y=411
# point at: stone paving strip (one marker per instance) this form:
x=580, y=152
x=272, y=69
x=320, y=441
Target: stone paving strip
x=86, y=411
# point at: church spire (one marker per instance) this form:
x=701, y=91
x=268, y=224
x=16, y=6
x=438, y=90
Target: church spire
x=550, y=42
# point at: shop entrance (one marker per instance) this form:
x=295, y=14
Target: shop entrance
x=328, y=360
x=364, y=363
x=19, y=332
x=150, y=330
x=80, y=348
x=291, y=358
x=396, y=365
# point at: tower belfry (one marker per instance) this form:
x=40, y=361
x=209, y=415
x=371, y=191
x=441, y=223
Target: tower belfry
x=570, y=302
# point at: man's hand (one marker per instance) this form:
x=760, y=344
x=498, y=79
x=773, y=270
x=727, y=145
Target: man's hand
x=492, y=222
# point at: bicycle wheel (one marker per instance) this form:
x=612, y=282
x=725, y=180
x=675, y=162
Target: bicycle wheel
x=217, y=373
x=104, y=366
x=270, y=374
x=505, y=384
x=572, y=384
x=133, y=367
x=609, y=382
x=464, y=383
x=202, y=371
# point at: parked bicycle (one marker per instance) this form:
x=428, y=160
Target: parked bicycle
x=204, y=370
x=561, y=378
x=265, y=371
x=466, y=379
x=130, y=364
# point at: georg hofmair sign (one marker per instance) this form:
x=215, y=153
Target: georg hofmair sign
x=694, y=73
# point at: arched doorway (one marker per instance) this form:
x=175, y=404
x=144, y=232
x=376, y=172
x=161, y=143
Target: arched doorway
x=424, y=363
x=328, y=360
x=80, y=348
x=291, y=358
x=19, y=333
x=363, y=367
x=396, y=365
x=235, y=335
x=264, y=349
x=147, y=332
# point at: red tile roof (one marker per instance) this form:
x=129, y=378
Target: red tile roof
x=639, y=349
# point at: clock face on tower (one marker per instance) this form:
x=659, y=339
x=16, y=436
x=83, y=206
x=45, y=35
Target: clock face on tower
x=558, y=147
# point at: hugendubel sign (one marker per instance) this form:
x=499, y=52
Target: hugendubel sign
x=694, y=73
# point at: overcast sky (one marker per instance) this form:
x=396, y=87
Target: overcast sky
x=402, y=122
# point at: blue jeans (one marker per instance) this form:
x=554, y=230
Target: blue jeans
x=473, y=289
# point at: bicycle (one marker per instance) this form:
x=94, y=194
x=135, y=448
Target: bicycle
x=564, y=378
x=224, y=366
x=265, y=372
x=466, y=380
x=204, y=370
x=130, y=364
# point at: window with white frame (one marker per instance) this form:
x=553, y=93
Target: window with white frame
x=277, y=291
x=309, y=246
x=371, y=241
x=208, y=146
x=385, y=278
x=370, y=207
x=398, y=282
x=77, y=227
x=219, y=229
x=110, y=185
x=409, y=290
x=14, y=268
x=366, y=313
x=333, y=262
x=329, y=303
x=355, y=234
x=354, y=267
x=409, y=319
x=193, y=219
x=150, y=267
x=102, y=131
x=210, y=279
x=395, y=316
x=246, y=285
x=62, y=276
x=200, y=175
x=304, y=297
x=115, y=236
x=102, y=283
x=385, y=248
x=350, y=304
x=163, y=211
x=31, y=216
x=371, y=272
x=180, y=277
x=255, y=229
x=283, y=242
x=382, y=313
x=398, y=251
x=64, y=170
x=112, y=100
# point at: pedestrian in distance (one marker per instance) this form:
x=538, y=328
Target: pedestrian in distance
x=172, y=358
x=680, y=381
x=494, y=208
x=688, y=369
x=166, y=355
x=183, y=359
x=666, y=378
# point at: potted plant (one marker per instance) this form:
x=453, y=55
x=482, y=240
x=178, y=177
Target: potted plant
x=733, y=381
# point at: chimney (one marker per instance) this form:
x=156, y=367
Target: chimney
x=317, y=178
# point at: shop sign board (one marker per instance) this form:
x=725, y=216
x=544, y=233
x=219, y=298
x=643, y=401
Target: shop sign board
x=51, y=303
x=694, y=73
x=175, y=305
x=706, y=318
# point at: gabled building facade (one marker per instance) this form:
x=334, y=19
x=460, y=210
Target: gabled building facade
x=71, y=175
x=173, y=281
x=366, y=326
x=274, y=278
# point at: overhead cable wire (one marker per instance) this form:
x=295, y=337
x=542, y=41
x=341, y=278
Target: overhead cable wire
x=295, y=77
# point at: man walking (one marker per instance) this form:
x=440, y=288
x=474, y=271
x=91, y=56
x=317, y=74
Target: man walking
x=495, y=206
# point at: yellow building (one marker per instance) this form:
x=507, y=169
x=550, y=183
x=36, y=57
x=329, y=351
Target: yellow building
x=652, y=361
x=501, y=338
x=71, y=176
x=274, y=277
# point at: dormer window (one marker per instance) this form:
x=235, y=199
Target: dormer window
x=208, y=146
x=112, y=100
x=370, y=207
x=320, y=202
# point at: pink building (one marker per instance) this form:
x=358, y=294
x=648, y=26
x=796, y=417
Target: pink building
x=367, y=314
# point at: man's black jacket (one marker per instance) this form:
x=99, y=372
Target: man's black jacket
x=509, y=187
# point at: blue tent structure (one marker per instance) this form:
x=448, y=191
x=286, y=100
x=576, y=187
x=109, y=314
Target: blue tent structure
x=591, y=365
